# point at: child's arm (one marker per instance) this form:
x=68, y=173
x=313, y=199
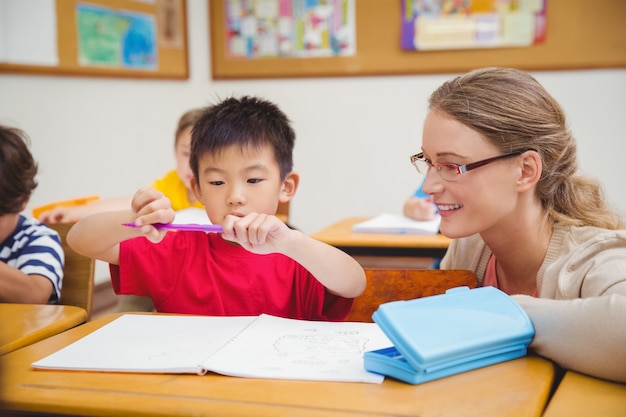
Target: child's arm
x=18, y=287
x=262, y=233
x=99, y=235
x=62, y=214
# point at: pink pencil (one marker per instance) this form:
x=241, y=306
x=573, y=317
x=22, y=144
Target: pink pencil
x=215, y=228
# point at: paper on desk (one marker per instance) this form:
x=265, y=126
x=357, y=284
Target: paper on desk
x=279, y=348
x=396, y=223
x=247, y=346
x=191, y=215
x=147, y=344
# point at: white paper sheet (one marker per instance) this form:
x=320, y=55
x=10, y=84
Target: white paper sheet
x=148, y=343
x=278, y=348
x=398, y=224
x=255, y=347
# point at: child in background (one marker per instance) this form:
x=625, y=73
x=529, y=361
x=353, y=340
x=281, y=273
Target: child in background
x=175, y=184
x=420, y=206
x=31, y=255
x=501, y=165
x=242, y=160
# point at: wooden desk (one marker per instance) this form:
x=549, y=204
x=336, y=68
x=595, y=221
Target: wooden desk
x=581, y=395
x=24, y=324
x=381, y=244
x=515, y=388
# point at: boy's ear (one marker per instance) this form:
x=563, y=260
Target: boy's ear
x=196, y=189
x=290, y=185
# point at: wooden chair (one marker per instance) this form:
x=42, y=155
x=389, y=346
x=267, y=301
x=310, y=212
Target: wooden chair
x=78, y=277
x=384, y=285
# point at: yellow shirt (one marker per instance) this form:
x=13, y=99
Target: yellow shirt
x=173, y=188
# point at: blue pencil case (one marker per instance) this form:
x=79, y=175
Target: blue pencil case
x=442, y=335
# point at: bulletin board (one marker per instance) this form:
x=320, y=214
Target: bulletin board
x=581, y=34
x=81, y=50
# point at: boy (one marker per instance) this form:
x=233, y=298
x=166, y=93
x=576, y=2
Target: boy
x=31, y=255
x=241, y=158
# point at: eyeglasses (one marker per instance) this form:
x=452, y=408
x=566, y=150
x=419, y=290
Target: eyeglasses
x=451, y=172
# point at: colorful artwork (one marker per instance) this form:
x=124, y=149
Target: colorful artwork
x=112, y=38
x=463, y=24
x=290, y=28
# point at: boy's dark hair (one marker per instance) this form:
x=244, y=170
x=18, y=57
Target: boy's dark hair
x=17, y=170
x=245, y=121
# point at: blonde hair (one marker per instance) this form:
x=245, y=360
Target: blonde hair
x=188, y=119
x=512, y=111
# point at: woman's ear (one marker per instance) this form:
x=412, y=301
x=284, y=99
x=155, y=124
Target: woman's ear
x=531, y=168
x=290, y=185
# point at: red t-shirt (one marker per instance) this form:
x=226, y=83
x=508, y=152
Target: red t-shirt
x=198, y=273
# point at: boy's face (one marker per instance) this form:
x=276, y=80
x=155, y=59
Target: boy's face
x=240, y=181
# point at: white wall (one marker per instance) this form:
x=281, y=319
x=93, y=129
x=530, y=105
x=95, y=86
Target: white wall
x=354, y=135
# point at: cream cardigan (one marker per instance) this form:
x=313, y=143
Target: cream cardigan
x=580, y=315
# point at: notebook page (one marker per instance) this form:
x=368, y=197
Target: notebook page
x=147, y=343
x=280, y=348
x=397, y=224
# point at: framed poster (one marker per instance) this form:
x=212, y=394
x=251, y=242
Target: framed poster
x=579, y=34
x=111, y=38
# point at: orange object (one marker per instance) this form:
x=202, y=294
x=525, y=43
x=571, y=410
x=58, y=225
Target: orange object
x=70, y=202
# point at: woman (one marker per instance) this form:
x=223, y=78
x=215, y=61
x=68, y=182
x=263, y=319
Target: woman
x=506, y=186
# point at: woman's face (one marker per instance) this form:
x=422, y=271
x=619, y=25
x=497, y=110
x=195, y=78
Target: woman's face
x=479, y=200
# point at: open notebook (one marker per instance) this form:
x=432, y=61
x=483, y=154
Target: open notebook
x=396, y=223
x=257, y=347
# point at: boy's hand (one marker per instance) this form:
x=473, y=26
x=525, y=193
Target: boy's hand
x=258, y=233
x=151, y=206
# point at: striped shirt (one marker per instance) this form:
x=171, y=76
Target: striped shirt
x=35, y=249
